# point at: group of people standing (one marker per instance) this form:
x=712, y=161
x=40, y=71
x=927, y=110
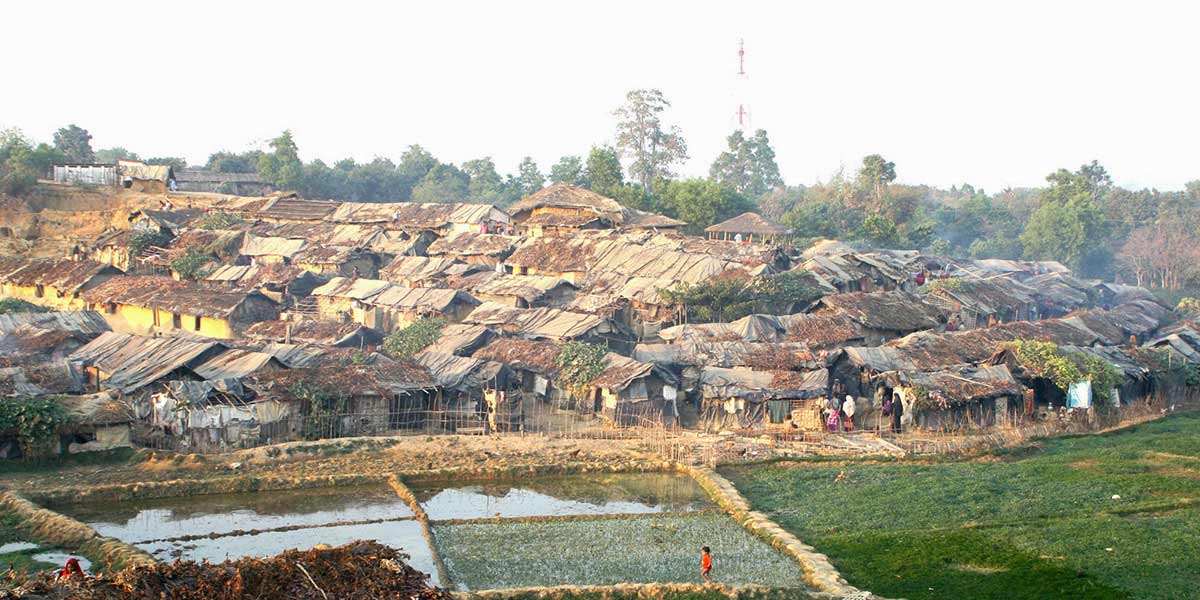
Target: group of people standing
x=838, y=411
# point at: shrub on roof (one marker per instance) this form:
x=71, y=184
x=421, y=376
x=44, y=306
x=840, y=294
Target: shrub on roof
x=9, y=306
x=406, y=342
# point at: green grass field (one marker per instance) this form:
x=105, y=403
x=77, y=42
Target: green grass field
x=639, y=549
x=1036, y=522
x=21, y=561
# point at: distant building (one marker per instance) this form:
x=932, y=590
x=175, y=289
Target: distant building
x=86, y=174
x=239, y=184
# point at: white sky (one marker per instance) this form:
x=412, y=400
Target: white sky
x=997, y=94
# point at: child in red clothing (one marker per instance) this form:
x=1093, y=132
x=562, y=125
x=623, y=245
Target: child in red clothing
x=706, y=564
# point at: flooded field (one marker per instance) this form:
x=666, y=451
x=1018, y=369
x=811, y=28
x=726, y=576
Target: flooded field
x=622, y=493
x=594, y=529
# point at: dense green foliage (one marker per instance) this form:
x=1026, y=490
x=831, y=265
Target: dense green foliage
x=17, y=305
x=322, y=408
x=35, y=422
x=192, y=264
x=404, y=343
x=1037, y=523
x=579, y=363
x=75, y=143
x=22, y=162
x=1047, y=360
x=144, y=238
x=218, y=219
x=728, y=299
x=748, y=166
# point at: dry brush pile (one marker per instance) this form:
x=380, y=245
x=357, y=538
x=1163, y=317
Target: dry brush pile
x=365, y=570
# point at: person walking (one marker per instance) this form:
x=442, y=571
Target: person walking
x=706, y=564
x=897, y=412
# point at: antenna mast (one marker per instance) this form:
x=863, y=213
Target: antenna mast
x=743, y=111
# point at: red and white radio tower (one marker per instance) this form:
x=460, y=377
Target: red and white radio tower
x=743, y=109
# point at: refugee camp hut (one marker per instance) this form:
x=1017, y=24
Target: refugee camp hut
x=128, y=363
x=744, y=227
x=566, y=258
x=1057, y=294
x=1115, y=294
x=955, y=398
x=351, y=400
x=167, y=223
x=631, y=393
x=1124, y=324
x=748, y=399
x=83, y=322
x=161, y=304
x=856, y=272
x=423, y=271
x=485, y=249
x=203, y=180
x=336, y=299
x=396, y=306
x=550, y=324
x=525, y=291
x=336, y=261
x=562, y=210
x=32, y=338
x=303, y=355
x=141, y=177
x=282, y=283
x=883, y=316
x=439, y=218
x=290, y=209
x=97, y=422
x=535, y=367
x=971, y=303
x=1017, y=269
x=816, y=330
x=270, y=250
x=54, y=283
x=86, y=174
x=24, y=377
x=461, y=339
x=1181, y=339
x=475, y=396
x=312, y=331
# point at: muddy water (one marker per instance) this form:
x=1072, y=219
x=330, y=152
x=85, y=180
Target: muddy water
x=633, y=493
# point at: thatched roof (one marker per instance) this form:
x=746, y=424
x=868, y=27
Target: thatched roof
x=748, y=222
x=960, y=385
x=888, y=311
x=756, y=386
x=63, y=274
x=527, y=355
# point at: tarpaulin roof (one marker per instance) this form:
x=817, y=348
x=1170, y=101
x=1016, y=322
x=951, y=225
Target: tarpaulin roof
x=716, y=382
x=890, y=311
x=458, y=372
x=534, y=322
x=63, y=274
x=87, y=322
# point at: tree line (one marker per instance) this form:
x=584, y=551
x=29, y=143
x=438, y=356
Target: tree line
x=1079, y=217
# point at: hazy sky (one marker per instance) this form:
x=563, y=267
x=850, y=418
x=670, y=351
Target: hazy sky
x=997, y=94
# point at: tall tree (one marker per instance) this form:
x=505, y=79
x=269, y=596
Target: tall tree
x=604, y=171
x=748, y=164
x=642, y=137
x=282, y=166
x=569, y=170
x=486, y=185
x=177, y=163
x=230, y=162
x=443, y=183
x=76, y=143
x=415, y=163
x=1069, y=225
x=112, y=155
x=702, y=202
x=529, y=178
x=875, y=175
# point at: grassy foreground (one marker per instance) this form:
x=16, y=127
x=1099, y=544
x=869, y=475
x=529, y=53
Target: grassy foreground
x=1037, y=522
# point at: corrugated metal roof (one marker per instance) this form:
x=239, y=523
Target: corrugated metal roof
x=87, y=322
x=133, y=361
